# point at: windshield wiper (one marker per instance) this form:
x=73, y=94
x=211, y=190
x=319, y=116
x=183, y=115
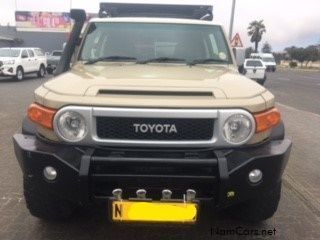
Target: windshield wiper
x=161, y=60
x=207, y=60
x=110, y=58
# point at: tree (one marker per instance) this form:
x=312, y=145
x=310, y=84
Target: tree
x=298, y=54
x=308, y=54
x=249, y=50
x=266, y=48
x=255, y=30
x=312, y=53
x=279, y=56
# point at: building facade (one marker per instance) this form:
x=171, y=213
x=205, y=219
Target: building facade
x=48, y=41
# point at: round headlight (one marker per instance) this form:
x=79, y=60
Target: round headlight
x=71, y=126
x=237, y=129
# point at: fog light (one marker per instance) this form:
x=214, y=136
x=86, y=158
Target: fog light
x=117, y=193
x=141, y=193
x=166, y=194
x=191, y=195
x=255, y=176
x=50, y=173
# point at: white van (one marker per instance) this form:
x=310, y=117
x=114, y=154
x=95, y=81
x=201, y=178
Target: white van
x=268, y=60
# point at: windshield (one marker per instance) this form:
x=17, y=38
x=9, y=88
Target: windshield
x=254, y=63
x=57, y=53
x=9, y=52
x=152, y=41
x=269, y=59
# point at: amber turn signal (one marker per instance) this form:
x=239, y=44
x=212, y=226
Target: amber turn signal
x=41, y=115
x=267, y=120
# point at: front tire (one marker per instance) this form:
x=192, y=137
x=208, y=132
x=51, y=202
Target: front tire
x=49, y=70
x=262, y=81
x=41, y=72
x=258, y=209
x=44, y=204
x=19, y=74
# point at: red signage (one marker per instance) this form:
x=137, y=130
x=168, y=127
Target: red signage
x=236, y=41
x=43, y=21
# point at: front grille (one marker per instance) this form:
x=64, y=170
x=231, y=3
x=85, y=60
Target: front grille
x=140, y=129
x=154, y=170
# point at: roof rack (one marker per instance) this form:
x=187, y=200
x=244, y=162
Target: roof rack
x=202, y=12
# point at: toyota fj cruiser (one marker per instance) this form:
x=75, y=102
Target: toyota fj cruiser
x=148, y=113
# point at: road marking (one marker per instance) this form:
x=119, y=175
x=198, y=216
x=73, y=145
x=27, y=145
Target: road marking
x=284, y=79
x=302, y=193
x=313, y=78
x=292, y=108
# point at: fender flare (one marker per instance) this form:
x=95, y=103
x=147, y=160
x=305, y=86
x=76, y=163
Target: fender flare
x=28, y=127
x=278, y=132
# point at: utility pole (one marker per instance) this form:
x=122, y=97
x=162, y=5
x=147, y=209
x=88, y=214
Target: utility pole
x=232, y=18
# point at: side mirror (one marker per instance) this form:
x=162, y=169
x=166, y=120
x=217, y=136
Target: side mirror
x=24, y=56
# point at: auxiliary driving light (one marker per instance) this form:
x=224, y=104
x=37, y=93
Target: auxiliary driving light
x=50, y=173
x=141, y=193
x=255, y=176
x=191, y=195
x=166, y=194
x=117, y=193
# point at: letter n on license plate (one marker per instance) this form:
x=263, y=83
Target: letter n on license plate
x=131, y=211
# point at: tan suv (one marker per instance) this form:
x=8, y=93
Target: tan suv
x=152, y=118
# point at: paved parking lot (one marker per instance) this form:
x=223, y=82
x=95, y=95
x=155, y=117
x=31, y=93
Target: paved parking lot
x=298, y=216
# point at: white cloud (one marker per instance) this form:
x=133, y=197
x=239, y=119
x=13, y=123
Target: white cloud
x=288, y=22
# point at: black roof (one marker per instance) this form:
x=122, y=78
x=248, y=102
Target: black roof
x=203, y=12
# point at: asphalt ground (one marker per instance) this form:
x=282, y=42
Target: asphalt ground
x=298, y=216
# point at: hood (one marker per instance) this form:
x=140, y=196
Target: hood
x=92, y=80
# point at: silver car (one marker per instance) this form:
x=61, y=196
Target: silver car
x=53, y=61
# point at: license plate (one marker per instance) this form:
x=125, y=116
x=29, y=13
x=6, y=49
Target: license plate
x=170, y=212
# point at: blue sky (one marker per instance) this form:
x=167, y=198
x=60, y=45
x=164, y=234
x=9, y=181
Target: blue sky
x=288, y=22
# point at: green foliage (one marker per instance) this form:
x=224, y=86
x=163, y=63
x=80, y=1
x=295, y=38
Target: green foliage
x=255, y=30
x=308, y=54
x=293, y=64
x=313, y=53
x=249, y=50
x=280, y=56
x=266, y=48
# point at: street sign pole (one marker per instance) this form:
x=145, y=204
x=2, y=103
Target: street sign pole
x=232, y=18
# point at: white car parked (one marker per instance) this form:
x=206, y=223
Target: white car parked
x=255, y=69
x=17, y=62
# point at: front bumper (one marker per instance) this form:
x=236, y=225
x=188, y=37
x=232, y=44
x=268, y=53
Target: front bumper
x=7, y=71
x=52, y=66
x=86, y=174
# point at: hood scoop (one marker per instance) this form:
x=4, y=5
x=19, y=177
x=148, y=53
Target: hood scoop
x=156, y=93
